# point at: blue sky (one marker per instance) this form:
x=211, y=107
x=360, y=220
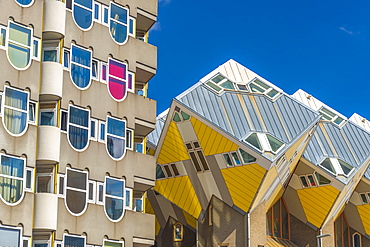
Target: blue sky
x=322, y=47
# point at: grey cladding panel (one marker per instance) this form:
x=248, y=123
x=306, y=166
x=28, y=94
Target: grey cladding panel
x=327, y=151
x=153, y=137
x=358, y=139
x=271, y=118
x=339, y=143
x=252, y=113
x=236, y=115
x=315, y=154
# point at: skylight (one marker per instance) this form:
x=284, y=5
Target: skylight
x=264, y=142
x=336, y=166
x=330, y=116
x=257, y=86
x=219, y=82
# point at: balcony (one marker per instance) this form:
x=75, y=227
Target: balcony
x=54, y=19
x=52, y=81
x=146, y=58
x=49, y=145
x=46, y=208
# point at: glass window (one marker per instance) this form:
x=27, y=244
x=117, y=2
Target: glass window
x=78, y=127
x=253, y=140
x=105, y=14
x=274, y=143
x=228, y=160
x=95, y=72
x=66, y=58
x=131, y=81
x=101, y=131
x=48, y=114
x=278, y=220
x=346, y=168
x=81, y=72
x=311, y=180
x=131, y=26
x=100, y=193
x=129, y=139
x=128, y=198
x=82, y=12
x=36, y=48
x=178, y=232
x=321, y=179
x=15, y=111
x=328, y=165
x=114, y=198
x=76, y=191
x=10, y=236
x=11, y=178
x=50, y=51
x=357, y=240
x=175, y=170
x=117, y=79
x=74, y=241
x=97, y=11
x=258, y=86
x=31, y=112
x=235, y=158
x=246, y=157
x=19, y=45
x=2, y=36
x=69, y=4
x=159, y=172
x=91, y=196
x=103, y=72
x=63, y=120
x=115, y=139
x=25, y=3
x=29, y=179
x=220, y=82
x=364, y=198
x=304, y=181
x=118, y=23
x=61, y=185
x=109, y=243
x=168, y=171
x=45, y=179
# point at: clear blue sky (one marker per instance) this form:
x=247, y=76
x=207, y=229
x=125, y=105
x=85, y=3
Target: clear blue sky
x=322, y=47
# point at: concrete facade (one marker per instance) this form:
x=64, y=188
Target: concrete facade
x=78, y=172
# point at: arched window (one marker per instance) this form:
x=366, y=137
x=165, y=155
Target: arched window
x=81, y=67
x=119, y=23
x=78, y=127
x=342, y=231
x=178, y=232
x=19, y=45
x=12, y=182
x=76, y=191
x=114, y=198
x=15, y=111
x=278, y=220
x=82, y=12
x=24, y=3
x=115, y=139
x=117, y=79
x=357, y=241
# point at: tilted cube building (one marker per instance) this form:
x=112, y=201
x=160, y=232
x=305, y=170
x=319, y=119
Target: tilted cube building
x=242, y=163
x=74, y=119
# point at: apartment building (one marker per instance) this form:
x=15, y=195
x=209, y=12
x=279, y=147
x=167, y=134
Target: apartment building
x=75, y=116
x=242, y=163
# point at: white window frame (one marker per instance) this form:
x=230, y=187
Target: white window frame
x=60, y=120
x=79, y=126
x=123, y=198
x=52, y=179
x=114, y=241
x=44, y=241
x=38, y=57
x=95, y=61
x=131, y=198
x=353, y=238
x=76, y=189
x=61, y=194
x=265, y=144
x=16, y=228
x=23, y=179
x=51, y=48
x=30, y=169
x=1, y=104
x=129, y=139
x=28, y=239
x=100, y=130
x=98, y=184
x=54, y=110
x=93, y=193
x=31, y=102
x=68, y=51
x=76, y=236
x=338, y=169
x=96, y=121
x=266, y=91
x=99, y=20
x=101, y=72
x=2, y=27
x=104, y=7
x=58, y=242
x=142, y=203
x=133, y=81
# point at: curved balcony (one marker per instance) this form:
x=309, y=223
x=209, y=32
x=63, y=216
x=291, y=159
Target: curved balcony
x=54, y=19
x=49, y=145
x=46, y=208
x=52, y=81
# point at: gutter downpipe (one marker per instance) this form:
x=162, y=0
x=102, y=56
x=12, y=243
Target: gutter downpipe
x=249, y=230
x=319, y=237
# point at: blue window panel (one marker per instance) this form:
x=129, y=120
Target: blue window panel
x=105, y=16
x=11, y=177
x=96, y=11
x=116, y=127
x=102, y=131
x=10, y=237
x=25, y=3
x=81, y=71
x=15, y=111
x=114, y=187
x=71, y=241
x=131, y=26
x=78, y=128
x=83, y=13
x=114, y=198
x=119, y=17
x=116, y=147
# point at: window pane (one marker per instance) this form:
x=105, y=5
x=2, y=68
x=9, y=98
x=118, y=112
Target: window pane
x=63, y=125
x=269, y=222
x=112, y=244
x=76, y=179
x=11, y=190
x=116, y=127
x=274, y=143
x=96, y=11
x=118, y=13
x=9, y=237
x=364, y=198
x=345, y=167
x=356, y=240
x=91, y=191
x=35, y=48
x=218, y=78
x=76, y=201
x=93, y=129
x=18, y=55
x=16, y=99
x=321, y=179
x=44, y=184
x=47, y=118
x=2, y=36
x=83, y=17
x=159, y=172
x=195, y=161
x=61, y=185
x=114, y=187
x=203, y=160
x=285, y=222
x=327, y=164
x=28, y=179
x=235, y=157
x=11, y=166
x=50, y=55
x=71, y=241
x=19, y=34
x=115, y=146
x=277, y=219
x=128, y=198
x=228, y=160
x=253, y=140
x=78, y=137
x=114, y=207
x=102, y=131
x=79, y=116
x=15, y=121
x=311, y=180
x=85, y=3
x=167, y=169
x=118, y=31
x=214, y=86
x=228, y=85
x=175, y=171
x=247, y=158
x=304, y=181
x=138, y=205
x=176, y=117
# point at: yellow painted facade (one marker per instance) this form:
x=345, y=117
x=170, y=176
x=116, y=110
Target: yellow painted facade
x=180, y=191
x=173, y=148
x=211, y=141
x=190, y=219
x=243, y=183
x=316, y=202
x=364, y=211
